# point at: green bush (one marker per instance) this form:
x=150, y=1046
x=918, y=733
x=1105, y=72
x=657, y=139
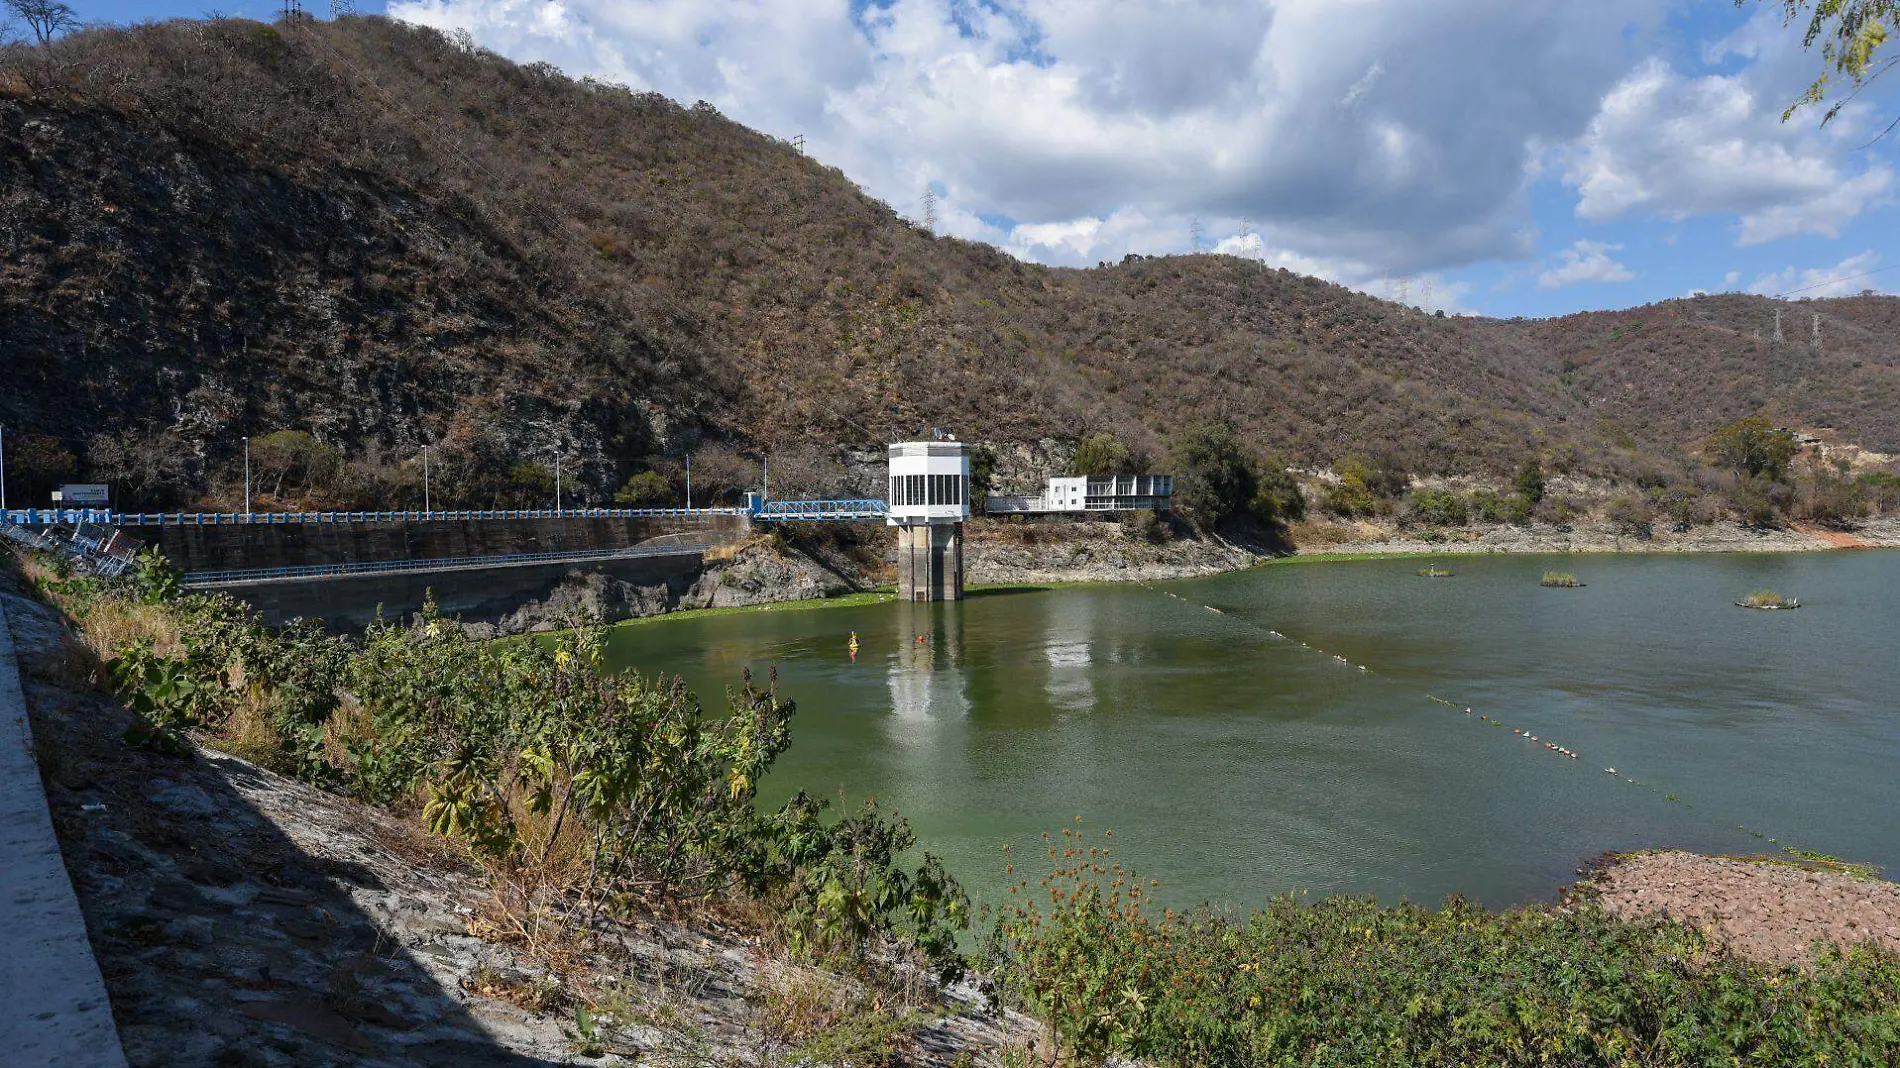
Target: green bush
x=1216, y=480
x=1488, y=506
x=1348, y=981
x=1102, y=454
x=1530, y=480
x=1277, y=497
x=647, y=489
x=1442, y=508
x=517, y=747
x=1753, y=448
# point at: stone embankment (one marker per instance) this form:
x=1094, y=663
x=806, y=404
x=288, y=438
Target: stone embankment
x=1003, y=552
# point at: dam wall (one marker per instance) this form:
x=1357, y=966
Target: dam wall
x=498, y=599
x=239, y=546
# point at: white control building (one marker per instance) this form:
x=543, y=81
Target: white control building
x=1092, y=493
x=929, y=502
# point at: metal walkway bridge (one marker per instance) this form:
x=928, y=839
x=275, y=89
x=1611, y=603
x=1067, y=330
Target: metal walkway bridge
x=841, y=511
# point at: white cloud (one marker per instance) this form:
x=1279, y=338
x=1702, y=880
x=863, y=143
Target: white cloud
x=1676, y=146
x=1584, y=261
x=1366, y=135
x=1844, y=279
x=1379, y=139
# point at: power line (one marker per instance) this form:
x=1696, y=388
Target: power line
x=1837, y=281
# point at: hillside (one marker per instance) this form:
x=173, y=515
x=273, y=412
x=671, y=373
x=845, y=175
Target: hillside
x=387, y=238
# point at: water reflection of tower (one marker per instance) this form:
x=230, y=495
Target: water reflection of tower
x=926, y=677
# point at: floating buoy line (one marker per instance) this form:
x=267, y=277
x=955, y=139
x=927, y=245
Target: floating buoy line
x=1560, y=751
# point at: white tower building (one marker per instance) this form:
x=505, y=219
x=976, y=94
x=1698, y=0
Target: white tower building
x=929, y=502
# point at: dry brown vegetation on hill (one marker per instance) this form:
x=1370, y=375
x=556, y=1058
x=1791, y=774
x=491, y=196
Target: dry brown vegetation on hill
x=387, y=237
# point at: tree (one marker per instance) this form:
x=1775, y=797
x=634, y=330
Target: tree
x=43, y=17
x=295, y=460
x=1277, y=497
x=36, y=464
x=1752, y=447
x=1442, y=508
x=1530, y=480
x=644, y=490
x=1853, y=32
x=982, y=475
x=1215, y=479
x=1101, y=454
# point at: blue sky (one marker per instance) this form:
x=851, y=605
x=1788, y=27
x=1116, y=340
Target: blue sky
x=1477, y=155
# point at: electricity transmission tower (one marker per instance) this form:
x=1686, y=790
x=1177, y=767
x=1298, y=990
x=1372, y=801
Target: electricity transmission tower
x=1814, y=334
x=1777, y=339
x=930, y=208
x=1194, y=233
x=293, y=9
x=798, y=143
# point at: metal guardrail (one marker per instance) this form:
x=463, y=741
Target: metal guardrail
x=770, y=510
x=820, y=510
x=444, y=563
x=52, y=516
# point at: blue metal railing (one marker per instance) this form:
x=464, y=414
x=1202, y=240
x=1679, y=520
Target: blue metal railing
x=801, y=510
x=52, y=516
x=446, y=563
x=822, y=510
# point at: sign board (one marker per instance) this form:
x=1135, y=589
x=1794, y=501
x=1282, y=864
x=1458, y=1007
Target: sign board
x=86, y=494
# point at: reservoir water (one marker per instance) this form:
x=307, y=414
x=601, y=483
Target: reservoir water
x=1232, y=764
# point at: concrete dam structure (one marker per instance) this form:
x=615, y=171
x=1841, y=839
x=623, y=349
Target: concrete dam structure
x=929, y=503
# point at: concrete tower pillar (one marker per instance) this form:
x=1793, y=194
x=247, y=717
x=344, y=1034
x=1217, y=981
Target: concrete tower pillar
x=929, y=502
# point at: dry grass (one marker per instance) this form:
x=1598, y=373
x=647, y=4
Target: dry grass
x=247, y=734
x=1318, y=534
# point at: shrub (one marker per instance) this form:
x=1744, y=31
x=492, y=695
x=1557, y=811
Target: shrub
x=1752, y=447
x=1556, y=510
x=1439, y=507
x=1831, y=498
x=1530, y=480
x=1213, y=479
x=528, y=751
x=1348, y=981
x=1559, y=580
x=1882, y=489
x=1491, y=507
x=1277, y=497
x=646, y=489
x=1758, y=500
x=1631, y=514
x=1102, y=454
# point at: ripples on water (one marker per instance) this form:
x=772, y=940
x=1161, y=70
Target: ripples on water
x=1234, y=764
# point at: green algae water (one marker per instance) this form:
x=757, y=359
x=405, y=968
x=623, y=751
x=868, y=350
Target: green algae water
x=1287, y=729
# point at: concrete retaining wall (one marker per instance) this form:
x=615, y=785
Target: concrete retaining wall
x=53, y=1007
x=223, y=548
x=509, y=599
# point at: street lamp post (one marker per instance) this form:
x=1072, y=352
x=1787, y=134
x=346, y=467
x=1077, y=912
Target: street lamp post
x=247, y=475
x=3, y=468
x=425, y=479
x=557, y=485
x=689, y=482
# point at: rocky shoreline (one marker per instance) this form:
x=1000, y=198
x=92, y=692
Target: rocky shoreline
x=1365, y=539
x=1773, y=910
